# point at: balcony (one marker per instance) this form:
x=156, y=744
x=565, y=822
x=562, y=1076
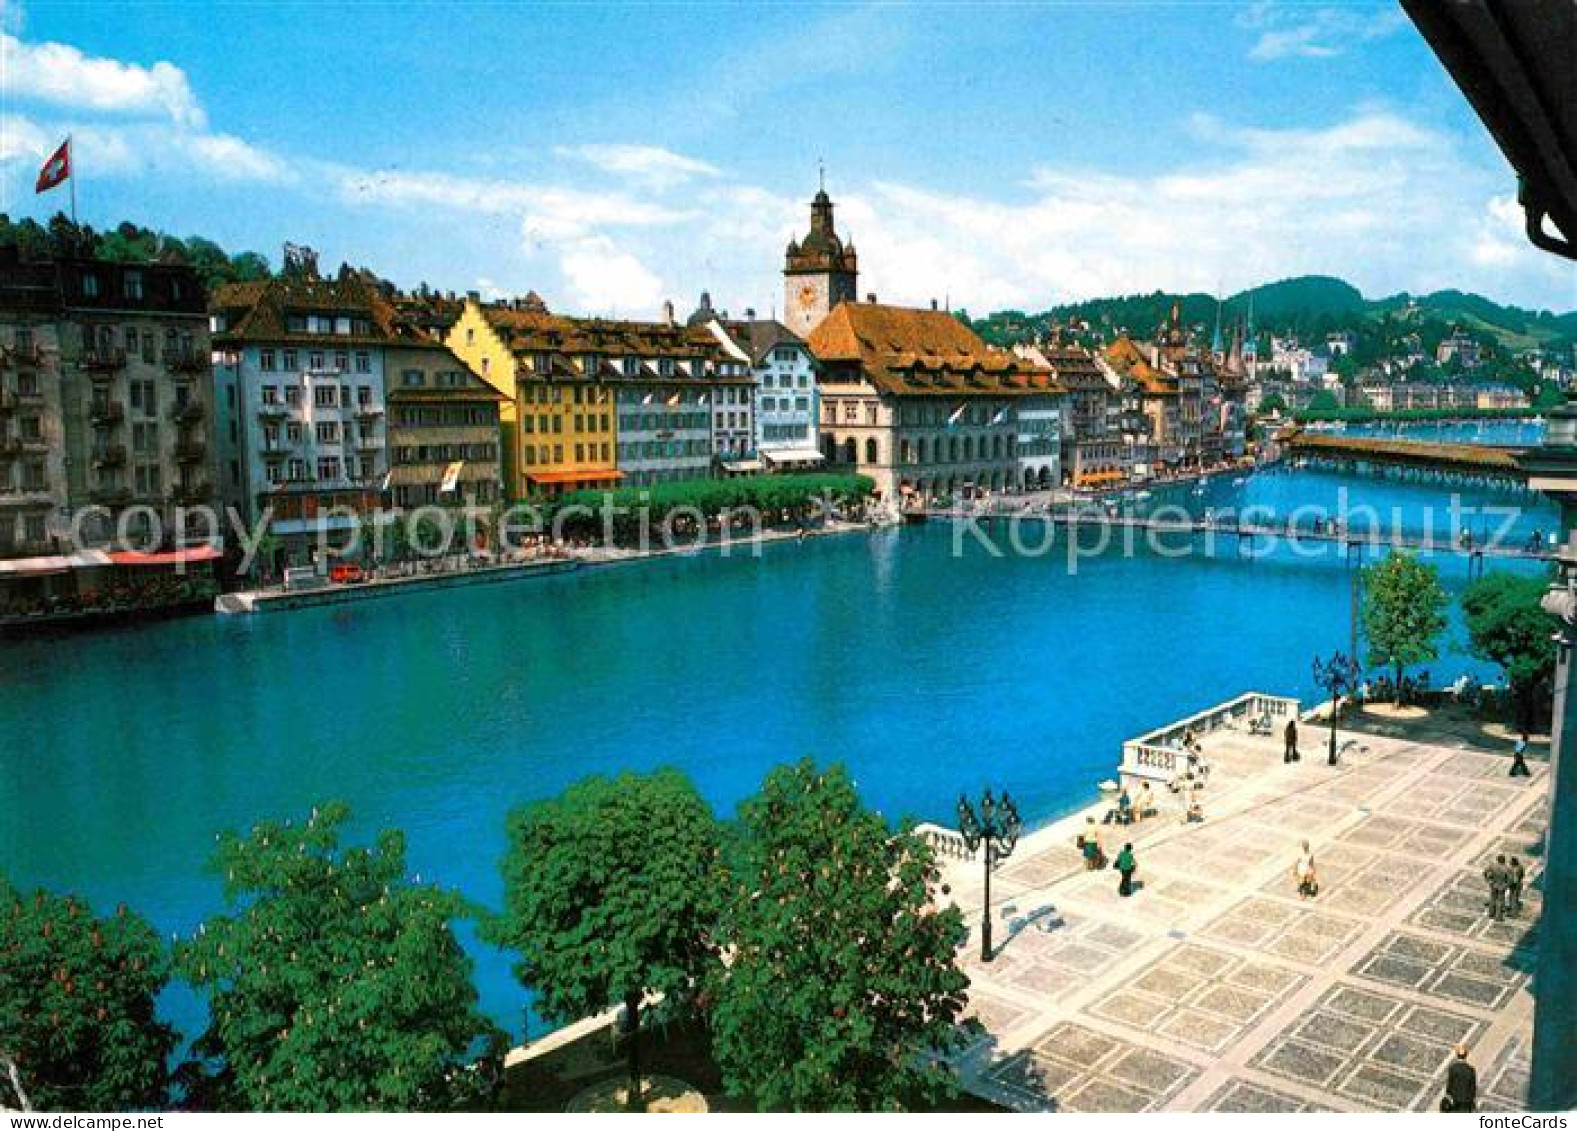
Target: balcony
x=21, y=355
x=189, y=413
x=191, y=451
x=368, y=444
x=191, y=494
x=368, y=412
x=110, y=496
x=10, y=447
x=273, y=411
x=28, y=498
x=107, y=414
x=104, y=361
x=188, y=363
x=110, y=455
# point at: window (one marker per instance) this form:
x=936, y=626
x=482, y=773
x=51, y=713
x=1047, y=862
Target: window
x=144, y=437
x=296, y=323
x=364, y=395
x=143, y=398
x=341, y=360
x=265, y=360
x=328, y=432
x=363, y=361
x=293, y=395
x=298, y=471
x=90, y=286
x=329, y=467
x=325, y=396
x=412, y=379
x=33, y=528
x=132, y=282
x=147, y=345
x=289, y=358
x=315, y=361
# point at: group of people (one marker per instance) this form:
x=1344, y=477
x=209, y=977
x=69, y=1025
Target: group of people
x=1505, y=879
x=1130, y=808
x=1089, y=845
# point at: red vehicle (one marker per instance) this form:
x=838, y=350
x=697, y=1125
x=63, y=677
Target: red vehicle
x=347, y=573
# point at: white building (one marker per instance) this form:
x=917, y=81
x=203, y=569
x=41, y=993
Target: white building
x=787, y=405
x=304, y=357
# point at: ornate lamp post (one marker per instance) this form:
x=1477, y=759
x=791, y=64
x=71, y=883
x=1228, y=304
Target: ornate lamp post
x=1336, y=676
x=997, y=828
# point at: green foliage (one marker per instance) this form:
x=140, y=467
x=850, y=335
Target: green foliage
x=1548, y=396
x=610, y=894
x=1403, y=612
x=1272, y=404
x=335, y=983
x=1323, y=401
x=1507, y=626
x=842, y=986
x=128, y=243
x=77, y=1005
x=779, y=498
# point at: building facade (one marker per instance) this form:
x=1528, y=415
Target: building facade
x=300, y=362
x=106, y=405
x=443, y=428
x=785, y=399
x=820, y=270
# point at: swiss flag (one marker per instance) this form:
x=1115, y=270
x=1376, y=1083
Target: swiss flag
x=56, y=169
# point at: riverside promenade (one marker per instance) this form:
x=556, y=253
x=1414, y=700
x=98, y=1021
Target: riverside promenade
x=1215, y=988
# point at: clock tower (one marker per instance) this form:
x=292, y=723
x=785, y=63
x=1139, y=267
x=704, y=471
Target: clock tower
x=819, y=271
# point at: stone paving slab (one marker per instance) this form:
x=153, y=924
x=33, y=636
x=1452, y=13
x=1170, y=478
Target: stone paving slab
x=1216, y=988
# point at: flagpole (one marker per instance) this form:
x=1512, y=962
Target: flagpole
x=71, y=175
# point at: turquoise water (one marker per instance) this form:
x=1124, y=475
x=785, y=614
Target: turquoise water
x=123, y=752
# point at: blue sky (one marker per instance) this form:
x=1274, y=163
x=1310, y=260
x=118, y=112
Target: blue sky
x=610, y=156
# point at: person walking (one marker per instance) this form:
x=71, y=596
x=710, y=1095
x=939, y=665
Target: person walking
x=1461, y=1085
x=1126, y=866
x=1144, y=804
x=1303, y=873
x=1519, y=758
x=1090, y=845
x=1498, y=879
x=1517, y=874
x=1290, y=752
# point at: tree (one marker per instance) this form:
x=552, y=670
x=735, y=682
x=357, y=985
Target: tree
x=77, y=1024
x=1507, y=626
x=1323, y=401
x=610, y=894
x=842, y=991
x=335, y=983
x=1403, y=613
x=1272, y=404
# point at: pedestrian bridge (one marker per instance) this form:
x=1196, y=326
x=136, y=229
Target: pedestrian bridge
x=1484, y=461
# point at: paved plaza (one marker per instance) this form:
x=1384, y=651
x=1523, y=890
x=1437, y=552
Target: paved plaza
x=1215, y=988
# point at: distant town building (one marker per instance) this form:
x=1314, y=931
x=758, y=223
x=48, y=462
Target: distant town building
x=1460, y=348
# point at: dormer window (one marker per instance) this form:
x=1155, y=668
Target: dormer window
x=665, y=366
x=588, y=364
x=632, y=366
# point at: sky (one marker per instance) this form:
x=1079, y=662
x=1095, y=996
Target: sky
x=611, y=156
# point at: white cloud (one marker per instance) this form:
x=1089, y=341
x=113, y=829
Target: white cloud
x=1317, y=33
x=650, y=165
x=61, y=75
x=134, y=149
x=606, y=278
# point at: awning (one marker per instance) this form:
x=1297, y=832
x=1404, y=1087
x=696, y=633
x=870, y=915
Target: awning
x=595, y=475
x=794, y=455
x=189, y=555
x=742, y=465
x=35, y=567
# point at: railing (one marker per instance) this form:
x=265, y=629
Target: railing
x=107, y=412
x=188, y=362
x=1158, y=750
x=270, y=411
x=112, y=455
x=190, y=493
x=21, y=355
x=188, y=413
x=190, y=451
x=103, y=360
x=32, y=498
x=947, y=843
x=111, y=496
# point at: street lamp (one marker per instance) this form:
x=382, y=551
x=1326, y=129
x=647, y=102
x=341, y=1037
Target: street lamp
x=1336, y=676
x=997, y=828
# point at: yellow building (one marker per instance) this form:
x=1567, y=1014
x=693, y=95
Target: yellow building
x=558, y=424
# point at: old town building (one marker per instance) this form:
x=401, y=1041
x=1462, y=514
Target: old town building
x=300, y=373
x=820, y=270
x=786, y=403
x=106, y=404
x=443, y=427
x=915, y=400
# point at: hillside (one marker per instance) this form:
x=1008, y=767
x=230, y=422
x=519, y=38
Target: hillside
x=1310, y=306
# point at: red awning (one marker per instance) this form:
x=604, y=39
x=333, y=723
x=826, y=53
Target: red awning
x=188, y=556
x=592, y=475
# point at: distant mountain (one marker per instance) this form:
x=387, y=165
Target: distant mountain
x=1310, y=305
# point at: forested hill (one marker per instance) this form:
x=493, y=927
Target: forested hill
x=1310, y=306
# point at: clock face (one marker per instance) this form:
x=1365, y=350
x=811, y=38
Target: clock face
x=807, y=295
